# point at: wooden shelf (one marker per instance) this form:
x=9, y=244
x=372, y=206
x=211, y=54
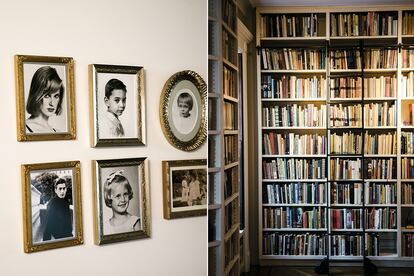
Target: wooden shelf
x=214, y=244
x=304, y=71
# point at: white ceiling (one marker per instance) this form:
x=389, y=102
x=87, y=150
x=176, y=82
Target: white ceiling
x=257, y=3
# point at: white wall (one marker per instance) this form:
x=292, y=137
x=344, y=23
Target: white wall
x=165, y=37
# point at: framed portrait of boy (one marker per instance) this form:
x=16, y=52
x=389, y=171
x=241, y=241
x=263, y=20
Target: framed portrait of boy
x=117, y=105
x=183, y=110
x=184, y=188
x=121, y=200
x=52, y=210
x=45, y=100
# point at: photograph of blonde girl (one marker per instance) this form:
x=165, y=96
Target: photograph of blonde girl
x=121, y=196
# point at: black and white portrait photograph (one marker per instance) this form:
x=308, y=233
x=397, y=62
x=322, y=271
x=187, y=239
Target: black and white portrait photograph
x=52, y=204
x=185, y=188
x=182, y=110
x=44, y=93
x=118, y=97
x=121, y=193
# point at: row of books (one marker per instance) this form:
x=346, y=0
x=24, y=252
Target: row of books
x=229, y=82
x=294, y=193
x=346, y=218
x=231, y=215
x=309, y=115
x=345, y=169
x=407, y=168
x=385, y=143
x=407, y=143
x=295, y=25
x=382, y=218
x=345, y=143
x=346, y=193
x=229, y=47
x=345, y=115
x=346, y=87
x=292, y=59
x=230, y=122
x=380, y=87
x=409, y=121
x=408, y=57
x=379, y=114
x=380, y=58
x=407, y=193
x=230, y=250
x=292, y=168
x=407, y=84
x=347, y=245
x=377, y=168
x=292, y=143
x=364, y=24
x=380, y=193
x=293, y=87
x=345, y=59
x=230, y=149
x=230, y=182
x=229, y=14
x=294, y=217
x=408, y=244
x=408, y=23
x=294, y=244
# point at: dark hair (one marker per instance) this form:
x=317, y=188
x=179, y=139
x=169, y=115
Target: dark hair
x=45, y=81
x=58, y=181
x=186, y=98
x=117, y=179
x=113, y=84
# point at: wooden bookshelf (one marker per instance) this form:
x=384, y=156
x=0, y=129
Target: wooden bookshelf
x=363, y=108
x=224, y=215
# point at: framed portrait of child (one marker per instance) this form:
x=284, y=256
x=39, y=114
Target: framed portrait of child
x=184, y=188
x=45, y=98
x=51, y=205
x=183, y=110
x=117, y=105
x=121, y=200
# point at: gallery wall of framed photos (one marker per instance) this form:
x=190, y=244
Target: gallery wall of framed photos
x=154, y=35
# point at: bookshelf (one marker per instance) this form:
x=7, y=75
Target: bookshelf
x=336, y=110
x=224, y=153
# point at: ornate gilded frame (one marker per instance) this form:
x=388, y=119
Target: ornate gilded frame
x=189, y=80
x=139, y=94
x=180, y=165
x=26, y=169
x=22, y=134
x=99, y=203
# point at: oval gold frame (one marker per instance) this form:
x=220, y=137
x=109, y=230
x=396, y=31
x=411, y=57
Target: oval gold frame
x=201, y=135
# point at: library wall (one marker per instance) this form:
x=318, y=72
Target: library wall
x=162, y=36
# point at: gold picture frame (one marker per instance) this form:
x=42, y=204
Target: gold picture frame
x=117, y=111
x=45, y=98
x=184, y=188
x=51, y=191
x=183, y=110
x=121, y=200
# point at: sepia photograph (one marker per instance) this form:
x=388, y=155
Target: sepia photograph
x=183, y=110
x=45, y=100
x=121, y=200
x=52, y=211
x=185, y=188
x=118, y=105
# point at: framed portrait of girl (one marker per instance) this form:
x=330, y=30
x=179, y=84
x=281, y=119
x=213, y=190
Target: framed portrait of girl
x=45, y=98
x=121, y=200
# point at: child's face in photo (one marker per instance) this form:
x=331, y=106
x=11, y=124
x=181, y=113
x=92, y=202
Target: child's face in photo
x=117, y=102
x=120, y=198
x=49, y=103
x=183, y=108
x=60, y=190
